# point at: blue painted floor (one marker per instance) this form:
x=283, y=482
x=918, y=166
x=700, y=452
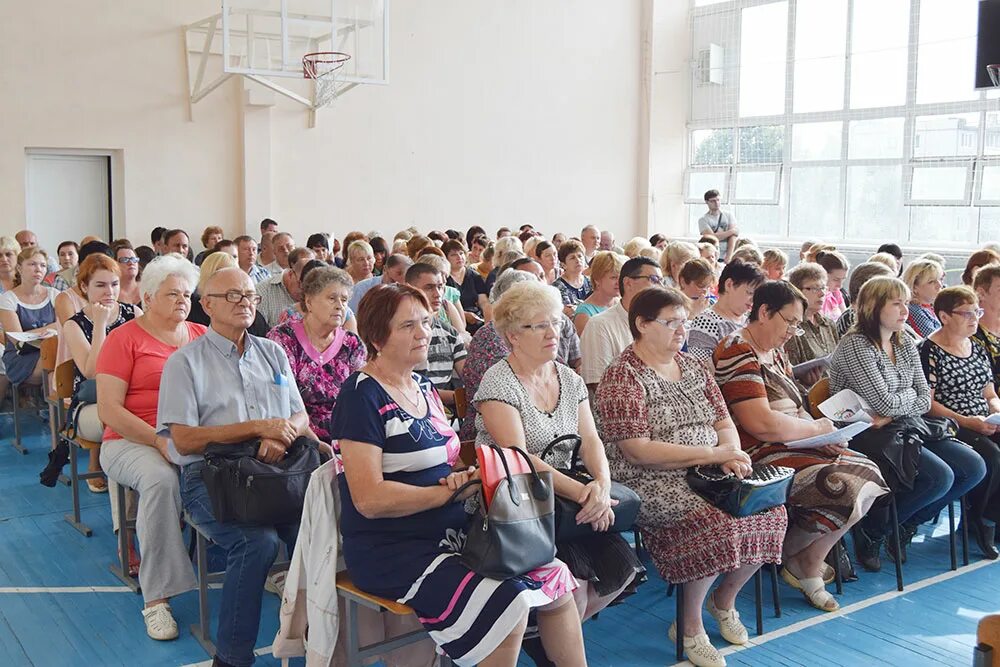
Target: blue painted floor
x=929, y=624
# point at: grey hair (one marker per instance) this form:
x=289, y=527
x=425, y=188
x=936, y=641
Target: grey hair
x=322, y=277
x=508, y=279
x=164, y=266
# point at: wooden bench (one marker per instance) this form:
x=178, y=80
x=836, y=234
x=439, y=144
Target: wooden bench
x=353, y=596
x=987, y=652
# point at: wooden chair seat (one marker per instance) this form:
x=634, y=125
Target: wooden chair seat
x=467, y=453
x=81, y=442
x=817, y=394
x=345, y=584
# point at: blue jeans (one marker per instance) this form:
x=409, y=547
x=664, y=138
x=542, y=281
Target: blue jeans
x=250, y=553
x=948, y=469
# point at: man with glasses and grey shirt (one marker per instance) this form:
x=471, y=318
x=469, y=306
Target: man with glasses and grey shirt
x=719, y=224
x=608, y=334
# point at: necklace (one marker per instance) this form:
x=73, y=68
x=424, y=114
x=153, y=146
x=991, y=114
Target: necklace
x=413, y=404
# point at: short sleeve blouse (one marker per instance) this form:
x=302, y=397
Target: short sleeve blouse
x=957, y=382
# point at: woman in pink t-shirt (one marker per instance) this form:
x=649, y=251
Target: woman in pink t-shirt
x=836, y=266
x=128, y=382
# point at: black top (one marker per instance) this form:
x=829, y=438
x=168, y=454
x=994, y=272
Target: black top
x=472, y=286
x=126, y=313
x=197, y=315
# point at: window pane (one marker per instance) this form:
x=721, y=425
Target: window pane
x=990, y=189
x=762, y=144
x=946, y=51
x=700, y=182
x=763, y=38
x=875, y=203
x=820, y=43
x=939, y=183
x=816, y=141
x=879, y=36
x=712, y=146
x=943, y=224
x=756, y=185
x=991, y=145
x=879, y=138
x=947, y=135
x=813, y=202
x=989, y=224
x=756, y=221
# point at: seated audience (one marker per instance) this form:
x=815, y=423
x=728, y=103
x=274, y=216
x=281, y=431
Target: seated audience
x=976, y=261
x=987, y=286
x=896, y=252
x=283, y=290
x=395, y=272
x=281, y=246
x=246, y=258
x=605, y=269
x=673, y=259
x=133, y=454
x=709, y=251
x=446, y=352
x=882, y=366
x=211, y=265
x=736, y=286
x=774, y=264
x=176, y=240
x=820, y=335
x=572, y=284
x=660, y=413
x=472, y=288
x=833, y=487
x=381, y=251
x=320, y=245
x=960, y=378
x=696, y=281
x=360, y=260
x=488, y=346
x=547, y=256
x=748, y=253
x=450, y=312
x=28, y=239
x=29, y=308
x=608, y=333
x=262, y=401
x=477, y=246
x=658, y=241
x=861, y=274
x=85, y=332
x=320, y=351
x=69, y=259
x=924, y=278
x=527, y=401
x=70, y=300
x=635, y=246
x=128, y=264
x=9, y=248
x=402, y=532
x=209, y=238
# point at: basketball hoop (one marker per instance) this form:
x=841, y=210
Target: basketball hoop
x=322, y=68
x=994, y=72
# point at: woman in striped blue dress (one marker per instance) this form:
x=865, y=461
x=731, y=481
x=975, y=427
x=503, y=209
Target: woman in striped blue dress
x=402, y=530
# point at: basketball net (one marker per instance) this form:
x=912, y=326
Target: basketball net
x=322, y=68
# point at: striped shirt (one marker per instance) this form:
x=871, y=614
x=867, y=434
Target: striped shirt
x=444, y=350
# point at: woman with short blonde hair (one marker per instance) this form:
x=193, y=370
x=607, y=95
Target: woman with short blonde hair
x=605, y=267
x=774, y=264
x=924, y=278
x=673, y=258
x=635, y=245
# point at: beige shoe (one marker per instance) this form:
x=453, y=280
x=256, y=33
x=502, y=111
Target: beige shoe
x=700, y=652
x=160, y=623
x=732, y=630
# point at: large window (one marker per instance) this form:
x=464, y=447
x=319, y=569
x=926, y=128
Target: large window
x=848, y=120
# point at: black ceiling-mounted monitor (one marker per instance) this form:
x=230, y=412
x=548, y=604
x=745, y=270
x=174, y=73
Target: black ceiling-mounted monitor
x=988, y=41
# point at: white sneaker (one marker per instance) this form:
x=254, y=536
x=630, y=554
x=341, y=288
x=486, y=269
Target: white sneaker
x=732, y=630
x=700, y=652
x=160, y=623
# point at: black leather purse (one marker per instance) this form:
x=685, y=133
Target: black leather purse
x=245, y=489
x=516, y=533
x=626, y=511
x=767, y=487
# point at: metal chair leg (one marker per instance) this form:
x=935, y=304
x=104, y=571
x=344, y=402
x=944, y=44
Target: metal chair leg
x=952, y=551
x=353, y=643
x=838, y=576
x=15, y=391
x=120, y=568
x=775, y=597
x=680, y=622
x=964, y=507
x=74, y=474
x=894, y=518
x=203, y=630
x=758, y=589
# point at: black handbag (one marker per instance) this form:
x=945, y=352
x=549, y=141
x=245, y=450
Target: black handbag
x=626, y=511
x=767, y=487
x=516, y=533
x=245, y=489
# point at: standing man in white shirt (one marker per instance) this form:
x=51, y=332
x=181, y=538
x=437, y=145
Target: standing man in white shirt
x=719, y=224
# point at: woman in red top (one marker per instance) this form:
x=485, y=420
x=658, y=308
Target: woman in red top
x=133, y=454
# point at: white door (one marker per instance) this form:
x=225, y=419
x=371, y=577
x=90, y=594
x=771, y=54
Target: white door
x=68, y=197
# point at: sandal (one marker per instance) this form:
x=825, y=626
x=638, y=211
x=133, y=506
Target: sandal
x=813, y=589
x=97, y=485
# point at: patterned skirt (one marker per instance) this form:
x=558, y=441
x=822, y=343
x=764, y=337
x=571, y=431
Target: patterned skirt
x=468, y=615
x=709, y=542
x=828, y=492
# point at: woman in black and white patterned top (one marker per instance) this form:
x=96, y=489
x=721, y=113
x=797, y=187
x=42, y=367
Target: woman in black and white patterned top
x=961, y=382
x=881, y=364
x=736, y=286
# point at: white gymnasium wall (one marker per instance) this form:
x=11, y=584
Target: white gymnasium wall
x=498, y=113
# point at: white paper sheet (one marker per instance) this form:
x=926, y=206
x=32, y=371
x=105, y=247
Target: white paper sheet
x=803, y=369
x=846, y=406
x=994, y=419
x=841, y=435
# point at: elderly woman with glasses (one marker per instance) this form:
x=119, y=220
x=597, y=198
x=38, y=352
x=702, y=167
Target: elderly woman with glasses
x=820, y=337
x=661, y=412
x=528, y=400
x=833, y=487
x=960, y=378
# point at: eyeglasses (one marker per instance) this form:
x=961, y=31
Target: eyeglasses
x=793, y=326
x=653, y=279
x=676, y=323
x=818, y=290
x=128, y=260
x=234, y=296
x=969, y=314
x=542, y=327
